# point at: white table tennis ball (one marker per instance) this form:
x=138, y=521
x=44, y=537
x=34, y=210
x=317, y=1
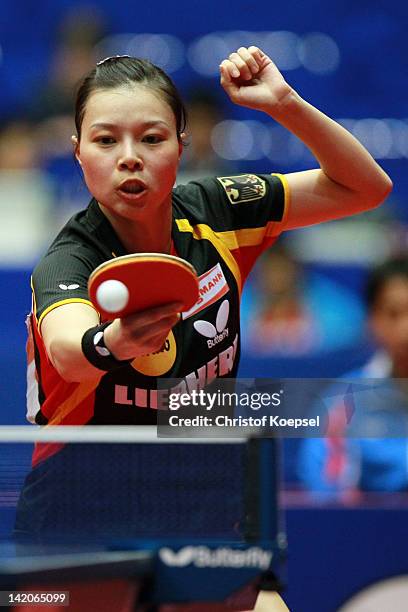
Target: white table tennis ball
x=112, y=295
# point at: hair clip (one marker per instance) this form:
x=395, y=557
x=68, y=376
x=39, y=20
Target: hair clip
x=111, y=57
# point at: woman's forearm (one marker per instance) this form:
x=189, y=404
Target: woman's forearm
x=341, y=157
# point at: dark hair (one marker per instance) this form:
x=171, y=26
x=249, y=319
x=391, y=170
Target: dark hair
x=124, y=71
x=380, y=276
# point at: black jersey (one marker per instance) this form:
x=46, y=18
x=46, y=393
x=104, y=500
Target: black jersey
x=220, y=225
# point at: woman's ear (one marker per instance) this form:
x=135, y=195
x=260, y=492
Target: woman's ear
x=75, y=142
x=182, y=142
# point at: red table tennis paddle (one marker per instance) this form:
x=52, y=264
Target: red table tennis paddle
x=125, y=285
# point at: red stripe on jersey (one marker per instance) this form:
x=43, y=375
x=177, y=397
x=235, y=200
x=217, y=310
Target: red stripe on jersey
x=63, y=403
x=246, y=256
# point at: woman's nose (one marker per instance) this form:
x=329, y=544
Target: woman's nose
x=130, y=159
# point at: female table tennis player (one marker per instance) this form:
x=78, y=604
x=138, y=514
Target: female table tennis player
x=130, y=125
x=130, y=122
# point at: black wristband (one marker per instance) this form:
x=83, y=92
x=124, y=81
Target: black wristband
x=96, y=352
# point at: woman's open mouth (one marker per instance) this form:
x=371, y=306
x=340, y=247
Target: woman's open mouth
x=132, y=189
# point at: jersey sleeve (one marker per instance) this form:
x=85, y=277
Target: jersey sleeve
x=61, y=278
x=246, y=211
x=255, y=201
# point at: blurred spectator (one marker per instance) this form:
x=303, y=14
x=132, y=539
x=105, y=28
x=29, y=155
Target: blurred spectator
x=26, y=197
x=199, y=158
x=292, y=311
x=76, y=37
x=344, y=466
x=52, y=105
x=18, y=148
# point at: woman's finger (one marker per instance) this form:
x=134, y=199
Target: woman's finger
x=240, y=64
x=249, y=59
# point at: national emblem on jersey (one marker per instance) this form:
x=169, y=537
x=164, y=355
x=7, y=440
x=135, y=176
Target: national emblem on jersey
x=243, y=187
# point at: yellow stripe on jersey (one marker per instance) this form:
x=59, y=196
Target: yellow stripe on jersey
x=34, y=305
x=286, y=190
x=61, y=303
x=249, y=237
x=204, y=232
x=231, y=240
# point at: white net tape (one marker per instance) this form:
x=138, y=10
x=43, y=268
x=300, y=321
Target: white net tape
x=115, y=434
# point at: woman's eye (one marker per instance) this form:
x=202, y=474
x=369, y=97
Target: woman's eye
x=153, y=139
x=106, y=140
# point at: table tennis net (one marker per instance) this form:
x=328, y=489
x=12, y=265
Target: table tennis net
x=142, y=489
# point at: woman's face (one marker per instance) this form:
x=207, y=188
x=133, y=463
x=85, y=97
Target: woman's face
x=129, y=151
x=389, y=320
